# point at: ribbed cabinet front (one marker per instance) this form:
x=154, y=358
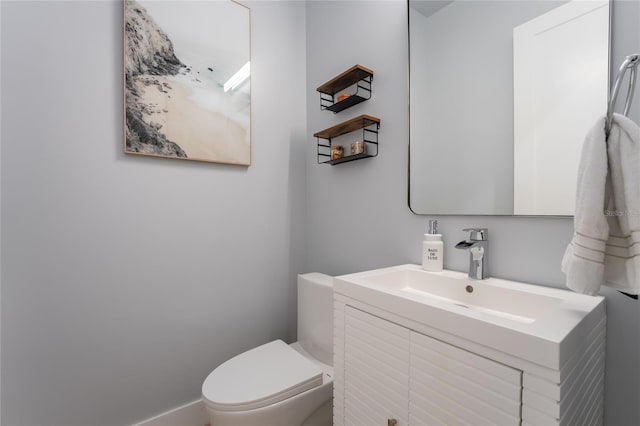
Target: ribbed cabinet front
x=451, y=386
x=387, y=374
x=376, y=386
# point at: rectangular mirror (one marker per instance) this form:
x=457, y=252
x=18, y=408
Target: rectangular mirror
x=502, y=94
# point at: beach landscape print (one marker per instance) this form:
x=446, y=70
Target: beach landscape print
x=187, y=79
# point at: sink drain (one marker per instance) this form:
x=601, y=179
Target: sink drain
x=469, y=289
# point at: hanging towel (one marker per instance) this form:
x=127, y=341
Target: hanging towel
x=605, y=248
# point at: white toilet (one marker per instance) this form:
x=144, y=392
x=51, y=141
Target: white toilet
x=278, y=384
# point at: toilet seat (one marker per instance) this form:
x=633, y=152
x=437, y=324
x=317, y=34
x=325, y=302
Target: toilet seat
x=259, y=377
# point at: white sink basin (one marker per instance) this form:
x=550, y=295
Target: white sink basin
x=542, y=324
x=492, y=297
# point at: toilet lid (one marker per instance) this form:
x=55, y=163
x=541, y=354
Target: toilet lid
x=259, y=377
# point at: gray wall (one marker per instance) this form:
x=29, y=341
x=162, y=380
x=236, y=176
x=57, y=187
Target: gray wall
x=357, y=212
x=127, y=279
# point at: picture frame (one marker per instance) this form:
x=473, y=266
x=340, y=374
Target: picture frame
x=187, y=80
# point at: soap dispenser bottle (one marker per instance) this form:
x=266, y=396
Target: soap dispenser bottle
x=432, y=248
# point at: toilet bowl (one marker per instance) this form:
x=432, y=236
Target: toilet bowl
x=276, y=384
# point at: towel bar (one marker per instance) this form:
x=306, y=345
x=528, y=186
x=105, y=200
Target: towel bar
x=630, y=63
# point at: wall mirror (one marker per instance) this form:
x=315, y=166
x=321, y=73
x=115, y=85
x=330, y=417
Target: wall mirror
x=502, y=94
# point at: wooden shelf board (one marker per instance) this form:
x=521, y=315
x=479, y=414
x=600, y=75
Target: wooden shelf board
x=348, y=126
x=344, y=80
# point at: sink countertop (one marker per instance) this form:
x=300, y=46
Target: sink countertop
x=539, y=324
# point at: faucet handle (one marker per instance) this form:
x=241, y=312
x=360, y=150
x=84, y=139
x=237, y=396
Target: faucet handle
x=478, y=234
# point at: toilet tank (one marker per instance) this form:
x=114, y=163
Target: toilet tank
x=315, y=315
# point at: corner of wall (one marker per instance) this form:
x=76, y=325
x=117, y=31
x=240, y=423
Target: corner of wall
x=0, y=224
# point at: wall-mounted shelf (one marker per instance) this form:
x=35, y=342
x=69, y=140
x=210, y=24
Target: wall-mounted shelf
x=356, y=75
x=369, y=126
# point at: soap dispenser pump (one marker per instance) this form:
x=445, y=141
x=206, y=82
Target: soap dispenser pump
x=432, y=248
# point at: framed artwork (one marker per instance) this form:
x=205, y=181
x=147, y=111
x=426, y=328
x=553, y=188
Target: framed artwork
x=187, y=84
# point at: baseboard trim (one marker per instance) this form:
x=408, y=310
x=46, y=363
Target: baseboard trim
x=190, y=414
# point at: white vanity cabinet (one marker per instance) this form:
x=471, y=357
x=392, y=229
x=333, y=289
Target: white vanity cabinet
x=404, y=356
x=390, y=372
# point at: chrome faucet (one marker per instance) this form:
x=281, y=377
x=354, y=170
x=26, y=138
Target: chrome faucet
x=478, y=246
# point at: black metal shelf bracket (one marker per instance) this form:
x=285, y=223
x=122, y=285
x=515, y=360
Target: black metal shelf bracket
x=369, y=137
x=361, y=94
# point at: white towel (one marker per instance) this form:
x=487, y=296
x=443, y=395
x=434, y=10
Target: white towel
x=605, y=249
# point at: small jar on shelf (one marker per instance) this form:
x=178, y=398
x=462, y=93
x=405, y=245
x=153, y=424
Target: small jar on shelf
x=337, y=152
x=358, y=147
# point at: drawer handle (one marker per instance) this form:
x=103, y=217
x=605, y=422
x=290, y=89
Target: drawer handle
x=392, y=422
